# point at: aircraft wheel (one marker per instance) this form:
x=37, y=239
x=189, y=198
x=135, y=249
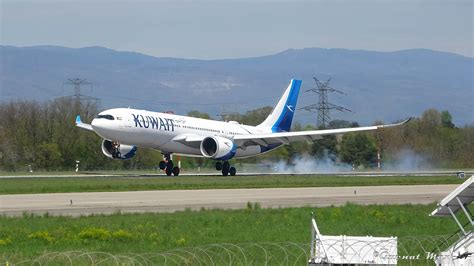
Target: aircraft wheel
x=232, y=171
x=116, y=154
x=162, y=165
x=218, y=166
x=176, y=171
x=169, y=168
x=225, y=168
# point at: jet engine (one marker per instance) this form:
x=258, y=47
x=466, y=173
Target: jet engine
x=218, y=148
x=117, y=150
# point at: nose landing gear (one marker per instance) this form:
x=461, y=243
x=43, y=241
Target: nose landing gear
x=168, y=166
x=226, y=168
x=116, y=150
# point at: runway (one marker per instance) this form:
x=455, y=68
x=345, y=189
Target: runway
x=75, y=204
x=215, y=173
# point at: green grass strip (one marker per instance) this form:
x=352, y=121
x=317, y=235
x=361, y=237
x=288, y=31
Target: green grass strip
x=90, y=184
x=30, y=236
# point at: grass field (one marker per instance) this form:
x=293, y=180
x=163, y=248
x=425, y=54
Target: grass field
x=29, y=237
x=88, y=184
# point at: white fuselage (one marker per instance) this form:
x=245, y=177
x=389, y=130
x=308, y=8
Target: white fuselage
x=125, y=129
x=157, y=130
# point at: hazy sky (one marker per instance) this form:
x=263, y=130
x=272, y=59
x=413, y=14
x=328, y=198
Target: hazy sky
x=231, y=29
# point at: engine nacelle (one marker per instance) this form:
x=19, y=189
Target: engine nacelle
x=124, y=152
x=218, y=148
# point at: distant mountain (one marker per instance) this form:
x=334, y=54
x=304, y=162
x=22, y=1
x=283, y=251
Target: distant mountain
x=378, y=85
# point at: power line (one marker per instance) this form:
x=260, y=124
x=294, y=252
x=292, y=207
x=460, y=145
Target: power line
x=149, y=101
x=78, y=96
x=323, y=106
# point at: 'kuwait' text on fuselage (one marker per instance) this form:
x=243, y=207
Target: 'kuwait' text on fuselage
x=159, y=123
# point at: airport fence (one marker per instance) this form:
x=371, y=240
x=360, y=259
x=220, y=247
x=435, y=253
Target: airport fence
x=419, y=250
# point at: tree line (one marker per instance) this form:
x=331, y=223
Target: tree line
x=43, y=136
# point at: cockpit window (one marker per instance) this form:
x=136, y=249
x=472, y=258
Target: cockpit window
x=108, y=117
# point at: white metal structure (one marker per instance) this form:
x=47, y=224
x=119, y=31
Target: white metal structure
x=462, y=251
x=123, y=129
x=353, y=250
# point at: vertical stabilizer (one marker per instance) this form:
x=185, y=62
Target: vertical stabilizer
x=282, y=115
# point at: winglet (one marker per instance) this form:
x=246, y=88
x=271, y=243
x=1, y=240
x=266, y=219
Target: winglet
x=397, y=124
x=407, y=120
x=82, y=125
x=78, y=119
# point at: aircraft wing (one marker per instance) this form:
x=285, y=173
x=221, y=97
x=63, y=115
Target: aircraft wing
x=83, y=125
x=309, y=136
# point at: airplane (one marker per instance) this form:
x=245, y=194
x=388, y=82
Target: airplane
x=125, y=129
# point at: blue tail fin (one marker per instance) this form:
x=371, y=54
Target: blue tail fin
x=282, y=115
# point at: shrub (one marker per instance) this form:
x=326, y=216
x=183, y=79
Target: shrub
x=181, y=241
x=249, y=205
x=5, y=241
x=156, y=238
x=94, y=234
x=122, y=235
x=378, y=214
x=42, y=235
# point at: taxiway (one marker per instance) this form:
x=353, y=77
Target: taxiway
x=75, y=204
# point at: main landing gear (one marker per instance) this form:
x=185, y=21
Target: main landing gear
x=226, y=168
x=168, y=166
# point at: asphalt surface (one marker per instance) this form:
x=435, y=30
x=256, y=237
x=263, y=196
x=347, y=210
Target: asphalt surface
x=75, y=204
x=216, y=173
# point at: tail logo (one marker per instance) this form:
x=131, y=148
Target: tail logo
x=291, y=108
